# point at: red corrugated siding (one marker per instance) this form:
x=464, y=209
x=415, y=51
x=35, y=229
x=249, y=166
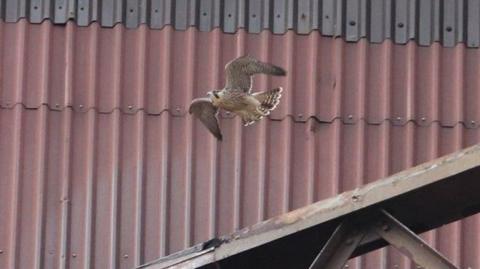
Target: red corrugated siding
x=102, y=167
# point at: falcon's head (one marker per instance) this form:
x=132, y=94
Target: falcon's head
x=214, y=95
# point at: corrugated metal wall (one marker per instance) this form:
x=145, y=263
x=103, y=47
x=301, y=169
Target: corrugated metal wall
x=427, y=21
x=103, y=168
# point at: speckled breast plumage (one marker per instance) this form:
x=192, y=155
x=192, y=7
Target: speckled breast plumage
x=233, y=100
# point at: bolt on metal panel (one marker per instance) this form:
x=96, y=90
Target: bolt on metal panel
x=279, y=14
x=255, y=16
x=230, y=16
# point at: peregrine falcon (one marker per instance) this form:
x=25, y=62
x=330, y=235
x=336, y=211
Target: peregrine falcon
x=237, y=95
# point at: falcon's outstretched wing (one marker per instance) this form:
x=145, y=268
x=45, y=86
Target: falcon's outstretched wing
x=239, y=72
x=203, y=109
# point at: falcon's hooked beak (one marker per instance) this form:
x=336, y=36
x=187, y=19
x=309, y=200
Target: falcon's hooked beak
x=214, y=93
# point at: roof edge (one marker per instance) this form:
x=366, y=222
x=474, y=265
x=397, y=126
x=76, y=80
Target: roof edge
x=368, y=195
x=426, y=22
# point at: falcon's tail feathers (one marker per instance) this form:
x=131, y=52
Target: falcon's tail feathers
x=268, y=100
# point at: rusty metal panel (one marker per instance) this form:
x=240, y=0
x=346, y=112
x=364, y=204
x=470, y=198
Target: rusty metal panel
x=102, y=166
x=126, y=189
x=363, y=81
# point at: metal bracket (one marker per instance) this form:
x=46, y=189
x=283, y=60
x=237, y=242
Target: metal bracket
x=410, y=244
x=349, y=235
x=339, y=247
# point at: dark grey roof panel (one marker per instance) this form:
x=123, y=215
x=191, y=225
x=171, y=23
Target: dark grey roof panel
x=378, y=28
x=403, y=30
x=426, y=21
x=473, y=27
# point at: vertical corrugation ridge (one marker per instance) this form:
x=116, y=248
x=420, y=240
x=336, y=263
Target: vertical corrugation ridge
x=164, y=185
x=289, y=63
x=114, y=234
x=215, y=151
x=166, y=84
x=139, y=193
x=141, y=154
x=40, y=203
x=238, y=144
x=18, y=144
x=17, y=156
x=66, y=191
x=69, y=63
x=264, y=49
x=312, y=90
x=38, y=43
x=427, y=80
x=190, y=78
x=91, y=156
x=116, y=150
x=451, y=86
x=13, y=63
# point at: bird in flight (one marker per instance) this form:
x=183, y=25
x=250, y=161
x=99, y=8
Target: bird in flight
x=237, y=95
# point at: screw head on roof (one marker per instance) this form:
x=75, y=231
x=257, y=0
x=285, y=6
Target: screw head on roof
x=300, y=115
x=472, y=122
x=74, y=255
x=350, y=116
x=399, y=118
x=400, y=25
x=347, y=266
x=130, y=107
x=423, y=119
x=57, y=105
x=352, y=23
x=227, y=113
x=449, y=28
x=125, y=256
x=80, y=106
x=1, y=251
